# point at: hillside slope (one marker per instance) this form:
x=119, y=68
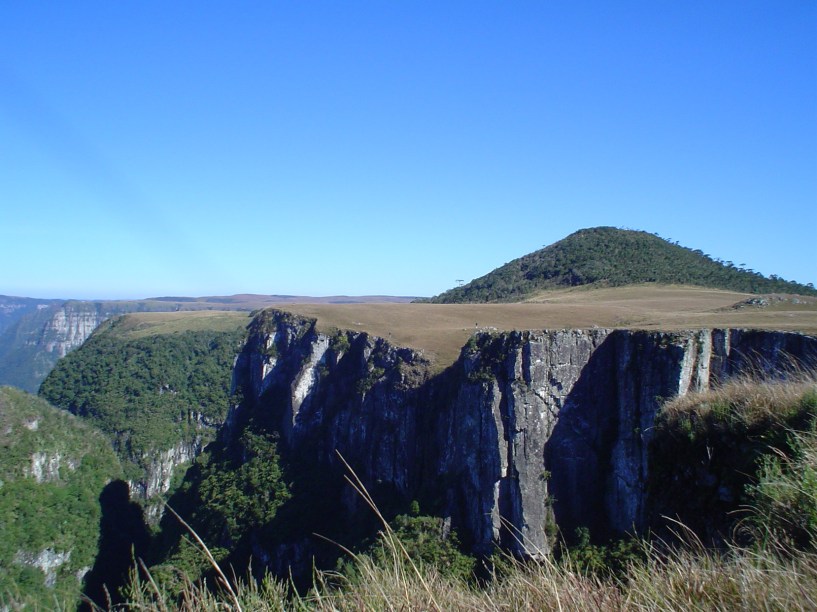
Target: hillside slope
x=613, y=257
x=157, y=384
x=13, y=308
x=53, y=468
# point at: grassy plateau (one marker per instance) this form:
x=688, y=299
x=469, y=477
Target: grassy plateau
x=142, y=325
x=440, y=330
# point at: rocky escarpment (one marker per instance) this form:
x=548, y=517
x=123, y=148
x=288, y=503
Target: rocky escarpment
x=31, y=346
x=347, y=393
x=69, y=327
x=528, y=432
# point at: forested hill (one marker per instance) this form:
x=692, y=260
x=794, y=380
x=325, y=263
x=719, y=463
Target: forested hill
x=613, y=257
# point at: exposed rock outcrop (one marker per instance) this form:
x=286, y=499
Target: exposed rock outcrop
x=525, y=432
x=46, y=465
x=48, y=561
x=69, y=328
x=160, y=467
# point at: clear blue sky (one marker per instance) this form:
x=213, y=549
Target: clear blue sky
x=317, y=148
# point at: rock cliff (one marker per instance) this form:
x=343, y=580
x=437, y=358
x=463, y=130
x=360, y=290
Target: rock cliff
x=526, y=432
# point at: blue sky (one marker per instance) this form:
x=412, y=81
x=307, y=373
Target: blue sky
x=203, y=148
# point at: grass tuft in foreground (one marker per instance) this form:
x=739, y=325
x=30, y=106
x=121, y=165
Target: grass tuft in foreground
x=737, y=579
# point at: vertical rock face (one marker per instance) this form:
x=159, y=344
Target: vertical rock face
x=509, y=395
x=525, y=432
x=69, y=328
x=159, y=469
x=349, y=394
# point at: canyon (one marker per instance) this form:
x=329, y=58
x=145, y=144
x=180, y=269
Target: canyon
x=526, y=434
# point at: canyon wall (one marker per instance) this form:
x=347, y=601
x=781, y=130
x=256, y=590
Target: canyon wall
x=526, y=433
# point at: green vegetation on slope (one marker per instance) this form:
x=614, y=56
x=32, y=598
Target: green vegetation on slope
x=53, y=468
x=231, y=492
x=149, y=386
x=425, y=539
x=613, y=257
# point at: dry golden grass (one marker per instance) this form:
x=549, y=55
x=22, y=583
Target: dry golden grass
x=143, y=324
x=440, y=330
x=748, y=399
x=736, y=580
x=687, y=579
